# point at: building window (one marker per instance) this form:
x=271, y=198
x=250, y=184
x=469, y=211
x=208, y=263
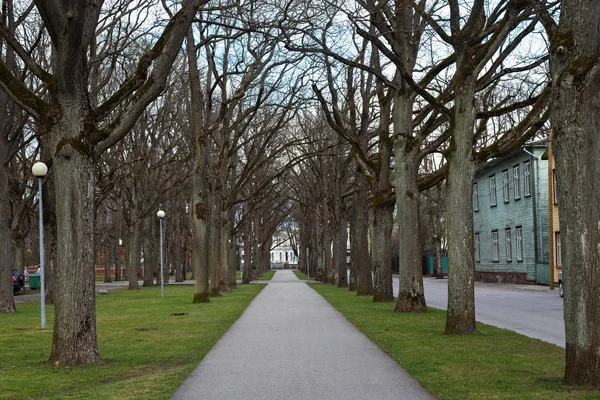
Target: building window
x=508, y=244
x=554, y=191
x=505, y=186
x=527, y=179
x=558, y=257
x=493, y=190
x=475, y=198
x=477, y=254
x=495, y=252
x=519, y=230
x=516, y=182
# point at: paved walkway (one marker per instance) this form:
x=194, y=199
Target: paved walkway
x=291, y=344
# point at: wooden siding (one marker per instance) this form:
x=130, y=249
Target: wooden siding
x=516, y=212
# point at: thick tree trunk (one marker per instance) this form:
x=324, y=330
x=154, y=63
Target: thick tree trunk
x=382, y=250
x=460, y=318
x=7, y=303
x=411, y=295
x=199, y=240
x=575, y=69
x=200, y=233
x=74, y=341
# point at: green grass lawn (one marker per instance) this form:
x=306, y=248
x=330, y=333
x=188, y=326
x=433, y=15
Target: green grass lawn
x=267, y=275
x=492, y=364
x=149, y=351
x=301, y=275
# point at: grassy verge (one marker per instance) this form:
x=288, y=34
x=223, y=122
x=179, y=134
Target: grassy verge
x=492, y=364
x=301, y=275
x=149, y=350
x=267, y=275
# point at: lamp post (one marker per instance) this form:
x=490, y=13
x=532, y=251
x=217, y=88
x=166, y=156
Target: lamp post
x=161, y=214
x=40, y=170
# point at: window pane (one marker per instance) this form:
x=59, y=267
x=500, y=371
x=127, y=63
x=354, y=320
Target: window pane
x=475, y=198
x=508, y=245
x=516, y=182
x=527, y=180
x=505, y=186
x=519, y=243
x=495, y=246
x=477, y=256
x=493, y=190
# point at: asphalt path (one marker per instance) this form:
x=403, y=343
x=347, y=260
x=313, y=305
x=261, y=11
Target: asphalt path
x=291, y=344
x=531, y=310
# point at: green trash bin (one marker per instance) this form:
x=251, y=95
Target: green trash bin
x=34, y=281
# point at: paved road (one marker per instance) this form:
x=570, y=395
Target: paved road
x=291, y=344
x=534, y=311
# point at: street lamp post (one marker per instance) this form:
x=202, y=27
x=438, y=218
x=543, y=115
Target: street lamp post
x=161, y=214
x=40, y=170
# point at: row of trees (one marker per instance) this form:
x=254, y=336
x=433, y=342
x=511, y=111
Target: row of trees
x=233, y=116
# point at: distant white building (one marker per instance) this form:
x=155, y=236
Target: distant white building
x=282, y=253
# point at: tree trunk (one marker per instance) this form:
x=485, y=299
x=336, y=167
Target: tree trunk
x=341, y=240
x=149, y=251
x=214, y=250
x=225, y=256
x=411, y=295
x=7, y=303
x=363, y=265
x=133, y=266
x=200, y=232
x=18, y=254
x=353, y=278
x=382, y=250
x=327, y=262
x=248, y=276
x=460, y=317
x=575, y=51
x=74, y=341
x=111, y=261
x=233, y=261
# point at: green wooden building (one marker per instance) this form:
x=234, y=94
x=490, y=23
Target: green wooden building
x=510, y=218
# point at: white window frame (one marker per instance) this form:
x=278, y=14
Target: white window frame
x=493, y=200
x=516, y=182
x=558, y=249
x=495, y=246
x=477, y=251
x=527, y=178
x=519, y=239
x=475, y=197
x=507, y=238
x=505, y=190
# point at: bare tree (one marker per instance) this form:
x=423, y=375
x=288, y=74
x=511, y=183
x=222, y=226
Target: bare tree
x=79, y=131
x=575, y=72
